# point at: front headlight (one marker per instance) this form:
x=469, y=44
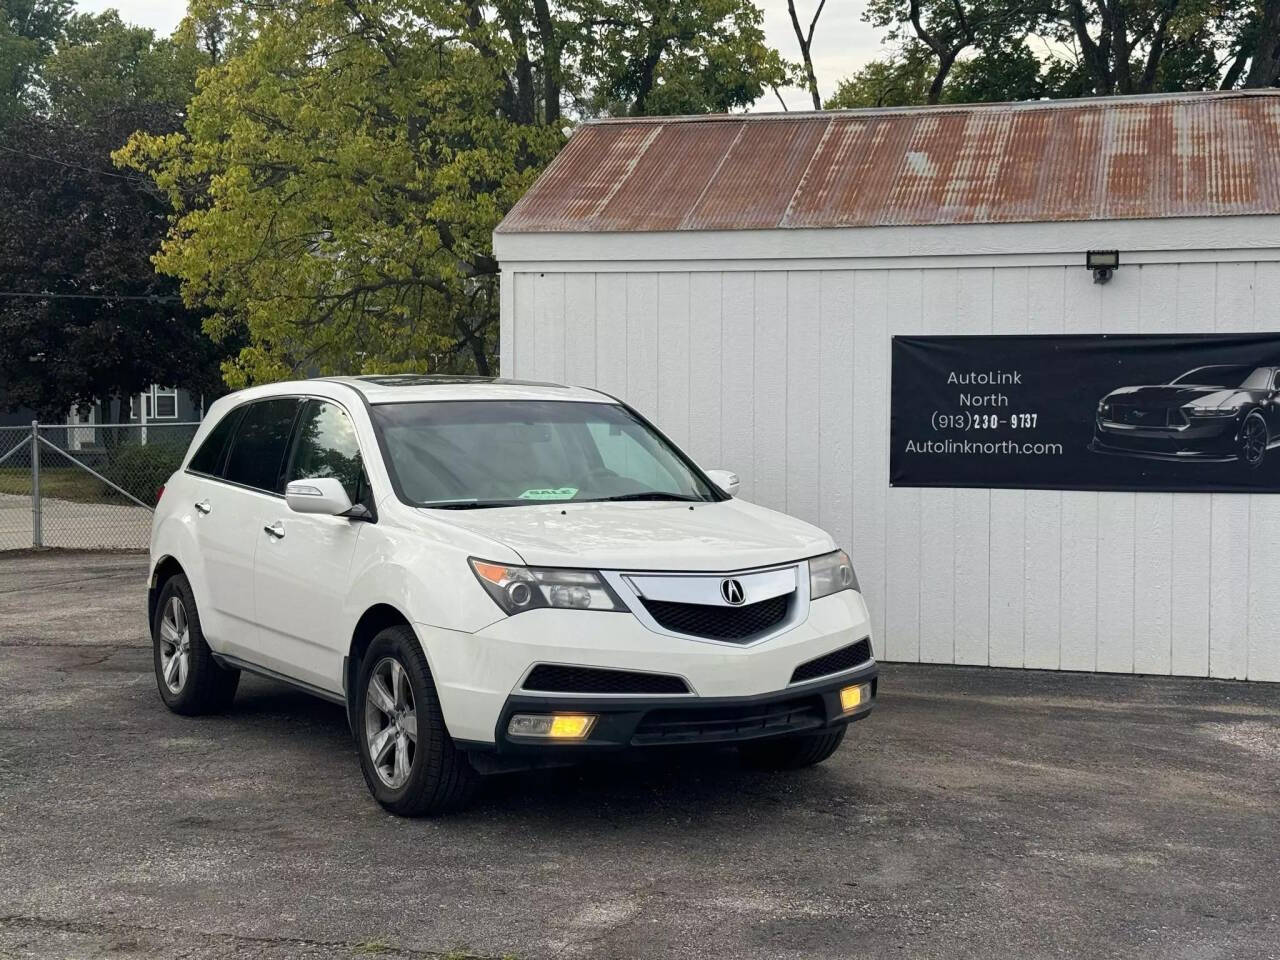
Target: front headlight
x=517, y=589
x=1212, y=411
x=830, y=574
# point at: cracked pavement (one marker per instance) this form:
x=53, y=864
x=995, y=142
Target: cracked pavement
x=977, y=811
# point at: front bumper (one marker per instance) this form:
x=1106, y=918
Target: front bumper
x=686, y=721
x=1211, y=441
x=476, y=674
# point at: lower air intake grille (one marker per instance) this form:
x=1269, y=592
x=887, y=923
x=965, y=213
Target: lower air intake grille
x=549, y=678
x=720, y=724
x=720, y=623
x=834, y=662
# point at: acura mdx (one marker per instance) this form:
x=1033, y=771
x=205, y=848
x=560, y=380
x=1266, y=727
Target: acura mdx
x=491, y=575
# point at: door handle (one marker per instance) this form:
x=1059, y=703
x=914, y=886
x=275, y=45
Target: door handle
x=275, y=529
x=202, y=507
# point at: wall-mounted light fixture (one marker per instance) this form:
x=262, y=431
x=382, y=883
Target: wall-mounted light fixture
x=1103, y=263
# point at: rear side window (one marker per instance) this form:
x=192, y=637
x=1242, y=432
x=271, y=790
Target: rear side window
x=209, y=458
x=257, y=452
x=327, y=447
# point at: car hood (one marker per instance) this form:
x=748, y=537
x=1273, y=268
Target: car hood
x=648, y=535
x=1171, y=395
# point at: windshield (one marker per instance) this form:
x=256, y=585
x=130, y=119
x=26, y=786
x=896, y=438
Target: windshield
x=460, y=454
x=1229, y=377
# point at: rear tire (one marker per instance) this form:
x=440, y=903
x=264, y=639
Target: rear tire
x=409, y=761
x=189, y=679
x=792, y=753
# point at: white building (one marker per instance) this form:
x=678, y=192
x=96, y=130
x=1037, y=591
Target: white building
x=738, y=280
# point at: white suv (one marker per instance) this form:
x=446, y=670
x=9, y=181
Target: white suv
x=491, y=575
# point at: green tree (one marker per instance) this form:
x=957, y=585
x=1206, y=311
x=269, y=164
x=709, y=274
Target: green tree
x=986, y=50
x=1000, y=71
x=29, y=30
x=951, y=28
x=104, y=64
x=662, y=57
x=996, y=73
x=342, y=168
x=898, y=81
x=1142, y=46
x=83, y=315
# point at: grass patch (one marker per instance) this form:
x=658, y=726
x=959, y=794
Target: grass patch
x=64, y=483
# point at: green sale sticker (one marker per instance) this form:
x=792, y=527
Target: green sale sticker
x=550, y=493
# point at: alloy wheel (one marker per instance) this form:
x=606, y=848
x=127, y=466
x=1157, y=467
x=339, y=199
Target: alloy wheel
x=1253, y=440
x=175, y=645
x=390, y=722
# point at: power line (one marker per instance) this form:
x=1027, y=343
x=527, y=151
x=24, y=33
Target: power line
x=46, y=295
x=77, y=166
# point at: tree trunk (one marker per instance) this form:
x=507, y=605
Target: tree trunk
x=475, y=342
x=523, y=66
x=1156, y=50
x=945, y=63
x=647, y=70
x=1117, y=18
x=812, y=81
x=1236, y=70
x=550, y=62
x=806, y=43
x=1265, y=69
x=1095, y=58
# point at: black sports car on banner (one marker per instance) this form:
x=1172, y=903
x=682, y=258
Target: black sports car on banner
x=1216, y=413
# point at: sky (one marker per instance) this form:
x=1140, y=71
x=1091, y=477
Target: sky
x=842, y=43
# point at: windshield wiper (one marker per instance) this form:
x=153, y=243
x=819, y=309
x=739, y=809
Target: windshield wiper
x=485, y=504
x=469, y=504
x=647, y=495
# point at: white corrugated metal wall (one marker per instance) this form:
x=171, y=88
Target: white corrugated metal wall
x=783, y=375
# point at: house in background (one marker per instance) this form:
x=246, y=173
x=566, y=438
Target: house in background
x=157, y=406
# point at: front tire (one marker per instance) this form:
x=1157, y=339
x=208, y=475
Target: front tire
x=1253, y=440
x=792, y=753
x=190, y=681
x=409, y=761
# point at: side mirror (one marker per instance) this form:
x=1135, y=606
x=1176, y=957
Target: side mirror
x=322, y=495
x=726, y=480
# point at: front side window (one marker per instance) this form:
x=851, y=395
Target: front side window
x=462, y=453
x=257, y=452
x=327, y=447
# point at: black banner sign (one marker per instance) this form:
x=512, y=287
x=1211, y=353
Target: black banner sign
x=1194, y=412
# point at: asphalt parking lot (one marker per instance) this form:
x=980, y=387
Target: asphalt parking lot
x=977, y=813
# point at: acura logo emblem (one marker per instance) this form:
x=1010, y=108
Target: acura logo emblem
x=732, y=592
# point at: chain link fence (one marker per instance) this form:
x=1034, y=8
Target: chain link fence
x=90, y=486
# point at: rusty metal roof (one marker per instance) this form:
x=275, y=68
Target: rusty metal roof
x=1119, y=158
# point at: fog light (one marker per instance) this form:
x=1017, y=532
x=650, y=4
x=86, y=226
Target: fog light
x=853, y=697
x=552, y=726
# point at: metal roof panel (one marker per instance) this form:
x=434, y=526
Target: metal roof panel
x=1176, y=155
